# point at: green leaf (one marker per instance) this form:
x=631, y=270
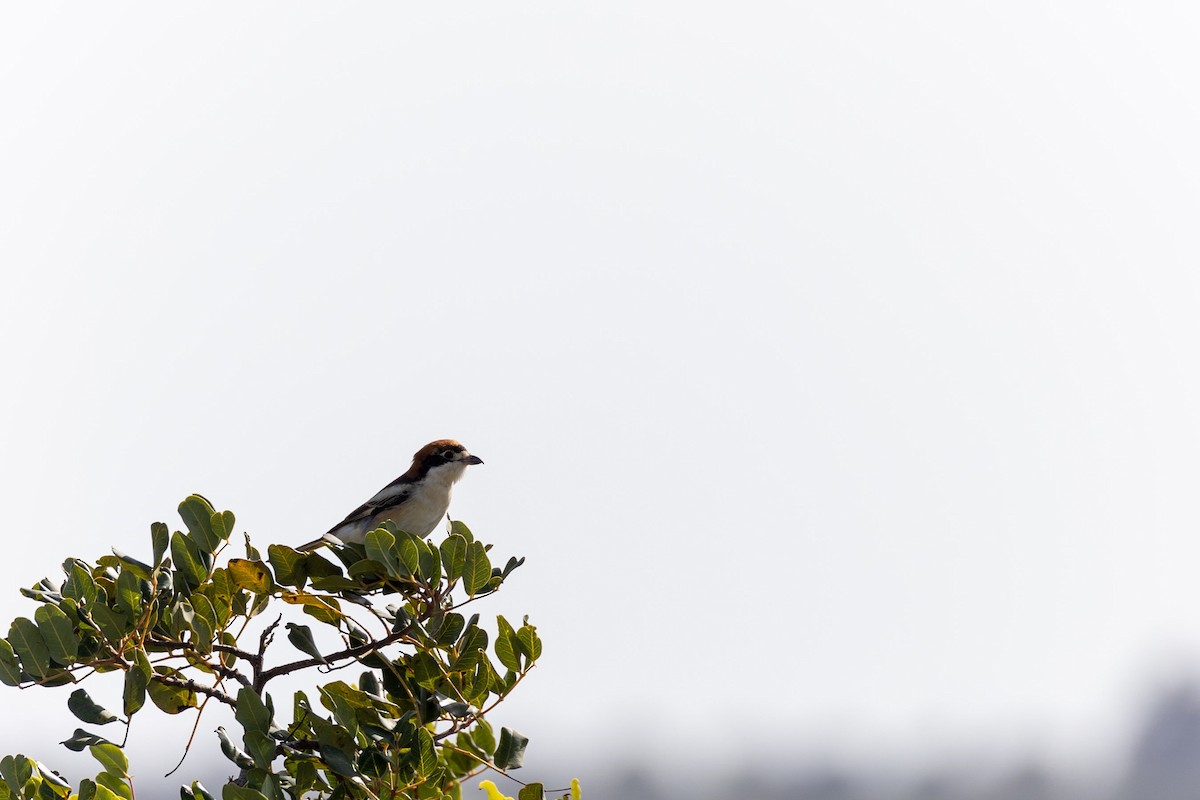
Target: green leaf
x=288, y=565
x=410, y=555
x=449, y=628
x=220, y=592
x=426, y=670
x=429, y=562
x=16, y=771
x=197, y=516
x=112, y=787
x=86, y=709
x=112, y=758
x=113, y=624
x=183, y=614
x=531, y=791
x=531, y=643
x=343, y=712
x=160, y=537
x=366, y=571
x=42, y=594
x=221, y=524
x=252, y=713
x=477, y=569
x=373, y=764
x=51, y=777
x=128, y=593
x=454, y=553
x=457, y=710
x=302, y=639
x=326, y=609
x=228, y=520
x=317, y=566
x=507, y=645
x=260, y=601
x=482, y=682
x=204, y=622
x=80, y=584
x=381, y=547
x=138, y=568
x=186, y=557
x=510, y=753
x=10, y=668
x=426, y=755
x=251, y=575
x=471, y=648
x=251, y=551
x=357, y=633
x=87, y=789
x=222, y=584
x=336, y=583
x=227, y=658
x=28, y=643
x=231, y=791
x=368, y=683
x=137, y=678
x=56, y=677
x=338, y=761
x=483, y=736
x=460, y=528
x=171, y=699
x=261, y=747
x=233, y=752
x=199, y=792
x=81, y=739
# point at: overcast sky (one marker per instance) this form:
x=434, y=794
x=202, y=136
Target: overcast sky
x=834, y=365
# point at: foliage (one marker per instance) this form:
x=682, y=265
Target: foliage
x=178, y=629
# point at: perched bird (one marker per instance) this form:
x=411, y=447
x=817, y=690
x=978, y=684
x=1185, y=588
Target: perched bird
x=415, y=502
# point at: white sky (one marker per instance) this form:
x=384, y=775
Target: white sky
x=835, y=365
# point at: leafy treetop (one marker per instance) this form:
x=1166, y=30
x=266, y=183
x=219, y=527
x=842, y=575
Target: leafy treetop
x=413, y=724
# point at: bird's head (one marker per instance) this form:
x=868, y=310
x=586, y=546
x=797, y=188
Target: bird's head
x=445, y=457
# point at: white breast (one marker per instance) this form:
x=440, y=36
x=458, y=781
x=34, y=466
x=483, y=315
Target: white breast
x=419, y=514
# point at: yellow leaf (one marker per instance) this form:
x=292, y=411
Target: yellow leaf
x=493, y=792
x=252, y=575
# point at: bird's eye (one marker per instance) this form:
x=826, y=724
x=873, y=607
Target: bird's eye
x=449, y=455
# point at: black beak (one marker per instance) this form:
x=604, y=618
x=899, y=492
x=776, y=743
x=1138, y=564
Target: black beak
x=473, y=460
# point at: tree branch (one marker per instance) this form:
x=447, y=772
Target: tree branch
x=221, y=648
x=264, y=641
x=261, y=678
x=218, y=667
x=199, y=688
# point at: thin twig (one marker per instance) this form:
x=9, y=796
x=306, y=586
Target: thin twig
x=187, y=748
x=264, y=641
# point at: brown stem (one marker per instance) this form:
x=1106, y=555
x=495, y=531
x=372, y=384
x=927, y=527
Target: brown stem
x=221, y=648
x=264, y=641
x=261, y=678
x=199, y=688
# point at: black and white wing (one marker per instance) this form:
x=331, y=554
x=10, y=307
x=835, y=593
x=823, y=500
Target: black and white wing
x=362, y=519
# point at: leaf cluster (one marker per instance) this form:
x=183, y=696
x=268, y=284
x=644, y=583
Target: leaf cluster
x=177, y=627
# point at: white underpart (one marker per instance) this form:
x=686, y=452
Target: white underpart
x=423, y=511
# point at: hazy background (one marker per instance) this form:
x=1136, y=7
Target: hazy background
x=834, y=364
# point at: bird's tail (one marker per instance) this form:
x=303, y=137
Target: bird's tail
x=313, y=545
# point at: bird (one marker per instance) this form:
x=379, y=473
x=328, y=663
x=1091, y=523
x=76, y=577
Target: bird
x=415, y=502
